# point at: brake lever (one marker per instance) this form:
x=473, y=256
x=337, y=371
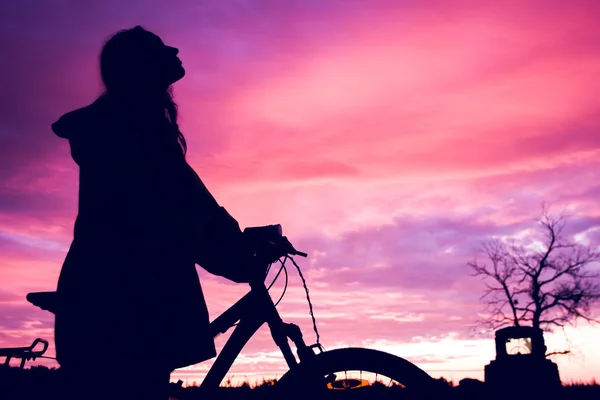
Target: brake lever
x=291, y=250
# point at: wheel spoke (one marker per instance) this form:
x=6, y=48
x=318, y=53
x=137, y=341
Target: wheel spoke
x=396, y=370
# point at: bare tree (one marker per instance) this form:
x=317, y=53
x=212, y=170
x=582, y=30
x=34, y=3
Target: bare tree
x=545, y=282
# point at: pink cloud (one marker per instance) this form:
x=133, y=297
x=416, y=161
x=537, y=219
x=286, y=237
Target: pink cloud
x=391, y=103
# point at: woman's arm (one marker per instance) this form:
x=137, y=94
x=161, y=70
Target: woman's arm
x=220, y=248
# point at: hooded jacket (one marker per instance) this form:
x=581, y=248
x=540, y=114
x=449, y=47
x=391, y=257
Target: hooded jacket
x=128, y=286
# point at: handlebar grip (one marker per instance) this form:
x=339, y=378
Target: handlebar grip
x=301, y=254
x=35, y=343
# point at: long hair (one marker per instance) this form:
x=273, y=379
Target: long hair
x=122, y=62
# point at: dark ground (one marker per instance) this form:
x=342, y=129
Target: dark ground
x=42, y=383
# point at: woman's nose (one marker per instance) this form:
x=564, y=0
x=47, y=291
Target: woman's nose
x=173, y=50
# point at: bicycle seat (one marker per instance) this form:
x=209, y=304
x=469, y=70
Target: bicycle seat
x=44, y=300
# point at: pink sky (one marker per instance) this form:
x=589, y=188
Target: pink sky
x=389, y=138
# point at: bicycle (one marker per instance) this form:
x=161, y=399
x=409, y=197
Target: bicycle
x=24, y=353
x=314, y=368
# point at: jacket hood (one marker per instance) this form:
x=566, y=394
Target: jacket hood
x=77, y=121
x=82, y=128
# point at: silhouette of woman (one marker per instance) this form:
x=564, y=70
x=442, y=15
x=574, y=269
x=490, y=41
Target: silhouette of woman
x=131, y=308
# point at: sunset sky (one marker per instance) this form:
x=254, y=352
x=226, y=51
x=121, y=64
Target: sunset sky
x=389, y=138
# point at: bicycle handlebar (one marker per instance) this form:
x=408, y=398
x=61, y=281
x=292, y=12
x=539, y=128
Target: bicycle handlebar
x=26, y=353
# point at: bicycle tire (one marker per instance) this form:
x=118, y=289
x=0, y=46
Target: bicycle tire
x=410, y=376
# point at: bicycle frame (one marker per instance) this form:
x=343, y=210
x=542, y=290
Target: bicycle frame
x=251, y=312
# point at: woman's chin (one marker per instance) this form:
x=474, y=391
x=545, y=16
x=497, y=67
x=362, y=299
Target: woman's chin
x=177, y=74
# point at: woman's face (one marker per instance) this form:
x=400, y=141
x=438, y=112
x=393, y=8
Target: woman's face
x=161, y=61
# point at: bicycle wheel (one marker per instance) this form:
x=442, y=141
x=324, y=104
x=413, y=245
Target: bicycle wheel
x=310, y=378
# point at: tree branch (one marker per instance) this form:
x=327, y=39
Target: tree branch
x=548, y=287
x=554, y=353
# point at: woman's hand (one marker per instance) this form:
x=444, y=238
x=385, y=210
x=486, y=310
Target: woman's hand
x=269, y=252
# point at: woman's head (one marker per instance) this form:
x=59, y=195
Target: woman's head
x=137, y=66
x=136, y=61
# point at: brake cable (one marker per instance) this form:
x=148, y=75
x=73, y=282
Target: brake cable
x=284, y=269
x=312, y=315
x=310, y=306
